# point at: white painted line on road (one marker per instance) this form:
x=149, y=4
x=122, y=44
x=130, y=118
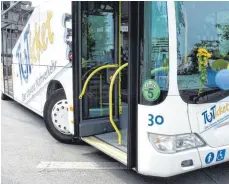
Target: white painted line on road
x=80, y=165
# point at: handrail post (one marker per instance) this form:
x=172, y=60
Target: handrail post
x=119, y=57
x=92, y=74
x=110, y=102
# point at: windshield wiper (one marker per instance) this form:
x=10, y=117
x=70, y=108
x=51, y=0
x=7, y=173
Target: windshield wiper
x=195, y=98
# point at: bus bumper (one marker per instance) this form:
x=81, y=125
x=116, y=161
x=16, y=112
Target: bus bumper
x=165, y=165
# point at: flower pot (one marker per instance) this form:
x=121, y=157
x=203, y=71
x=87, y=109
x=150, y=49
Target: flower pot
x=211, y=74
x=222, y=79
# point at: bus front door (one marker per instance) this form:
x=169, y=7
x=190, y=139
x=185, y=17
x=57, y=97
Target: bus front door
x=101, y=49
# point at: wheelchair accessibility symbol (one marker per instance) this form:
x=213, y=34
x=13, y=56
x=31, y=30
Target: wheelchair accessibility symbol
x=220, y=155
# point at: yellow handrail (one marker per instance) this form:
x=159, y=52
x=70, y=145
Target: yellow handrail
x=101, y=95
x=93, y=68
x=119, y=58
x=159, y=69
x=92, y=74
x=110, y=103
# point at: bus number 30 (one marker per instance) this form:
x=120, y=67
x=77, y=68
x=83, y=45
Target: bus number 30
x=159, y=120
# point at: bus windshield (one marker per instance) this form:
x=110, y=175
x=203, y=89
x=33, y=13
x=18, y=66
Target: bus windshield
x=203, y=51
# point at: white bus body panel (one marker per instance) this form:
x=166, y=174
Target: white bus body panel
x=176, y=121
x=47, y=56
x=150, y=161
x=211, y=122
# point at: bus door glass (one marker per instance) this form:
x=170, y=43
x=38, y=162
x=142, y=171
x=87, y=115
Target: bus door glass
x=97, y=51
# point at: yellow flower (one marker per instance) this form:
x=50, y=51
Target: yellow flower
x=204, y=52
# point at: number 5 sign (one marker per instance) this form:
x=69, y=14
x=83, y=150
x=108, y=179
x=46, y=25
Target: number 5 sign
x=151, y=90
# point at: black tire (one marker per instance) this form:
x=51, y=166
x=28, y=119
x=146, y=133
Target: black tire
x=52, y=100
x=4, y=97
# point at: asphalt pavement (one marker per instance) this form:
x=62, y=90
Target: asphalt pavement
x=27, y=146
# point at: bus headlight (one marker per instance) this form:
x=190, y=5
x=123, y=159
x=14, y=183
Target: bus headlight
x=175, y=143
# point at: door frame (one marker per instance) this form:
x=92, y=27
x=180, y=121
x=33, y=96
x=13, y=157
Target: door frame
x=98, y=125
x=76, y=55
x=133, y=81
x=133, y=71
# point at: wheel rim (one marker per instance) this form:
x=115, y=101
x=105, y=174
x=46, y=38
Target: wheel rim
x=60, y=117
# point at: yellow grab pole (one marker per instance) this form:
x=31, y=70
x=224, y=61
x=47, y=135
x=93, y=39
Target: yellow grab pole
x=111, y=104
x=159, y=69
x=92, y=74
x=119, y=58
x=101, y=96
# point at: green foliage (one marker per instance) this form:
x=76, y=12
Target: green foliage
x=216, y=54
x=180, y=22
x=180, y=16
x=219, y=64
x=203, y=72
x=227, y=57
x=225, y=31
x=87, y=33
x=99, y=25
x=95, y=39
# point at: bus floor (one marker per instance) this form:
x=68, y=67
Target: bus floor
x=112, y=139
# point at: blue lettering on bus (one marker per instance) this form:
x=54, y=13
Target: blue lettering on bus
x=159, y=120
x=208, y=118
x=24, y=66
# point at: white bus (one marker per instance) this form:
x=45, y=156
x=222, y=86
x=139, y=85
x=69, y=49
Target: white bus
x=147, y=83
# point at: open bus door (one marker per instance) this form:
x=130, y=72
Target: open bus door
x=106, y=118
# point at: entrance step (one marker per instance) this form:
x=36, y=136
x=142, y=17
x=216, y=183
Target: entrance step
x=110, y=150
x=111, y=138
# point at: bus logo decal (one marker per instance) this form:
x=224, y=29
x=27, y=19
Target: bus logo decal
x=29, y=51
x=209, y=117
x=24, y=68
x=215, y=115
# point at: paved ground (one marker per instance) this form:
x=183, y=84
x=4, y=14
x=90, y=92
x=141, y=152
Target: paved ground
x=26, y=144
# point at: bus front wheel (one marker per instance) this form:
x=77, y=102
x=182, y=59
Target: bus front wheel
x=56, y=116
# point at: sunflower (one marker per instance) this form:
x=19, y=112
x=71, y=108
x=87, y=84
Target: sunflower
x=203, y=52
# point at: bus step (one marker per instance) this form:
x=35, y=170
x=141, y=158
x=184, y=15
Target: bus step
x=107, y=149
